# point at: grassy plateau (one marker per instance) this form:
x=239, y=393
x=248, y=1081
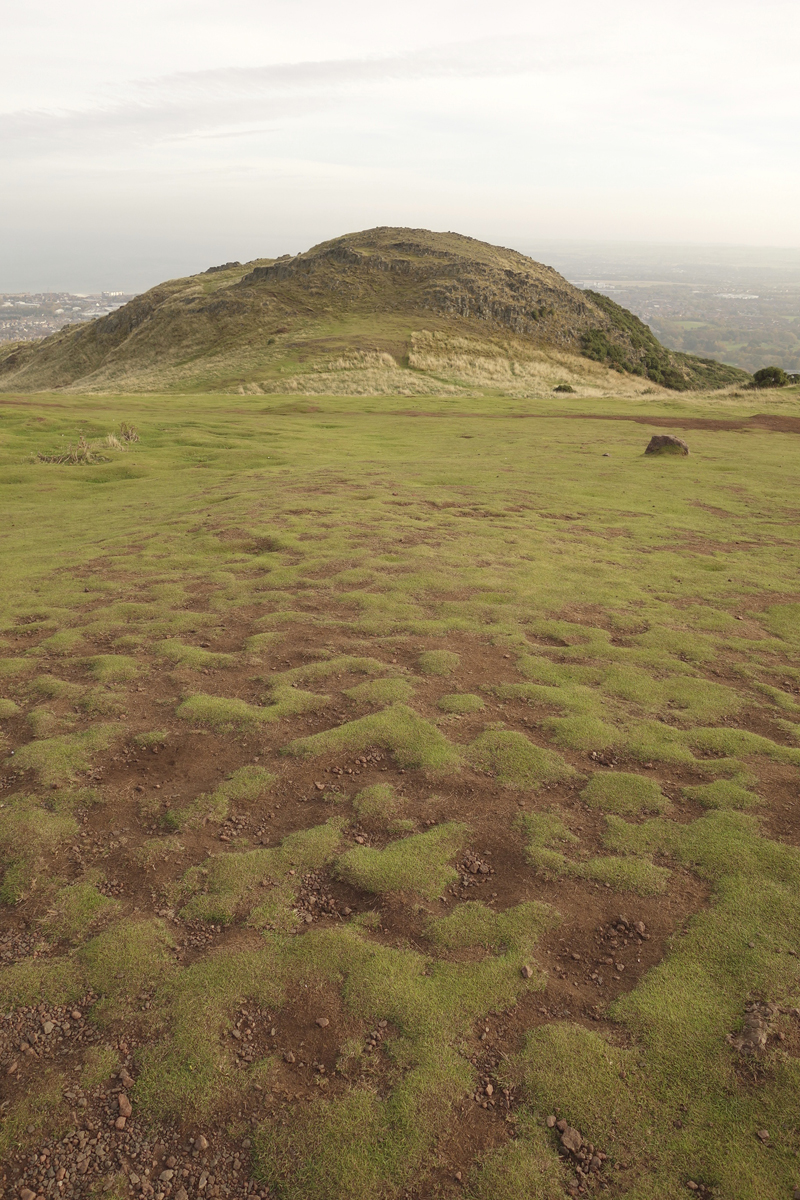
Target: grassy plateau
x=399, y=802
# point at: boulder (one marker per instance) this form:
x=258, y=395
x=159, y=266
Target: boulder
x=665, y=443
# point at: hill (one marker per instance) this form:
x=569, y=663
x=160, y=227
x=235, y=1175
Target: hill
x=403, y=311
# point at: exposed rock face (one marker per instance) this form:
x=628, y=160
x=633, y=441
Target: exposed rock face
x=665, y=443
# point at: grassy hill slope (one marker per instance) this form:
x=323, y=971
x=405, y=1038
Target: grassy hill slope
x=401, y=311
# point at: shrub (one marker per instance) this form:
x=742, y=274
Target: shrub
x=769, y=377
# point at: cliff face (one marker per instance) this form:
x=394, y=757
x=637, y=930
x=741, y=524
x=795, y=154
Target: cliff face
x=361, y=292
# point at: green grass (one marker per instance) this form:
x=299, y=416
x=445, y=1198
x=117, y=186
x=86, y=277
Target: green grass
x=113, y=668
x=57, y=760
x=602, y=595
x=75, y=909
x=420, y=863
x=153, y=737
x=193, y=657
x=414, y=741
x=382, y=692
x=461, y=703
x=723, y=793
x=226, y=713
x=244, y=786
x=378, y=802
x=621, y=792
x=257, y=885
x=133, y=956
x=29, y=834
x=626, y=874
x=438, y=662
x=514, y=761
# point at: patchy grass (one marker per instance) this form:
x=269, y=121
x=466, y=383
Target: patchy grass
x=544, y=833
x=29, y=834
x=242, y=787
x=337, y=546
x=461, y=703
x=621, y=792
x=135, y=955
x=413, y=740
x=75, y=910
x=722, y=793
x=113, y=668
x=40, y=980
x=514, y=761
x=378, y=802
x=258, y=885
x=152, y=737
x=438, y=662
x=420, y=863
x=60, y=759
x=626, y=874
x=382, y=692
x=223, y=713
x=54, y=688
x=474, y=924
x=193, y=657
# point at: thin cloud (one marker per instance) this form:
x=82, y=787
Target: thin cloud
x=194, y=104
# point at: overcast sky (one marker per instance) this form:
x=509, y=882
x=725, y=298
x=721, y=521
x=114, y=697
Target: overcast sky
x=146, y=140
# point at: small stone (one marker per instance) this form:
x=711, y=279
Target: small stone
x=562, y=1125
x=595, y=1164
x=181, y=1194
x=171, y=1161
x=692, y=1186
x=489, y=1089
x=120, y=1122
x=125, y=1108
x=166, y=1176
x=320, y=787
x=571, y=1139
x=640, y=928
x=289, y=1057
x=76, y=1014
x=457, y=1177
x=201, y=1142
x=48, y=1027
x=762, y=1135
x=550, y=1122
x=323, y=1022
x=27, y=1194
x=526, y=972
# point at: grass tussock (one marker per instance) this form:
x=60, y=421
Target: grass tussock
x=414, y=741
x=420, y=863
x=514, y=761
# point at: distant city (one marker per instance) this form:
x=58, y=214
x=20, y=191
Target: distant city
x=739, y=305
x=25, y=315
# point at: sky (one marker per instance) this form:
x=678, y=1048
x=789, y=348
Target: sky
x=144, y=141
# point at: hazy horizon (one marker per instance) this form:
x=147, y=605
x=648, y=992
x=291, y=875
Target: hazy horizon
x=149, y=142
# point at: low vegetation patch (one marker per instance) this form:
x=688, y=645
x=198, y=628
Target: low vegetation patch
x=420, y=863
x=514, y=761
x=413, y=740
